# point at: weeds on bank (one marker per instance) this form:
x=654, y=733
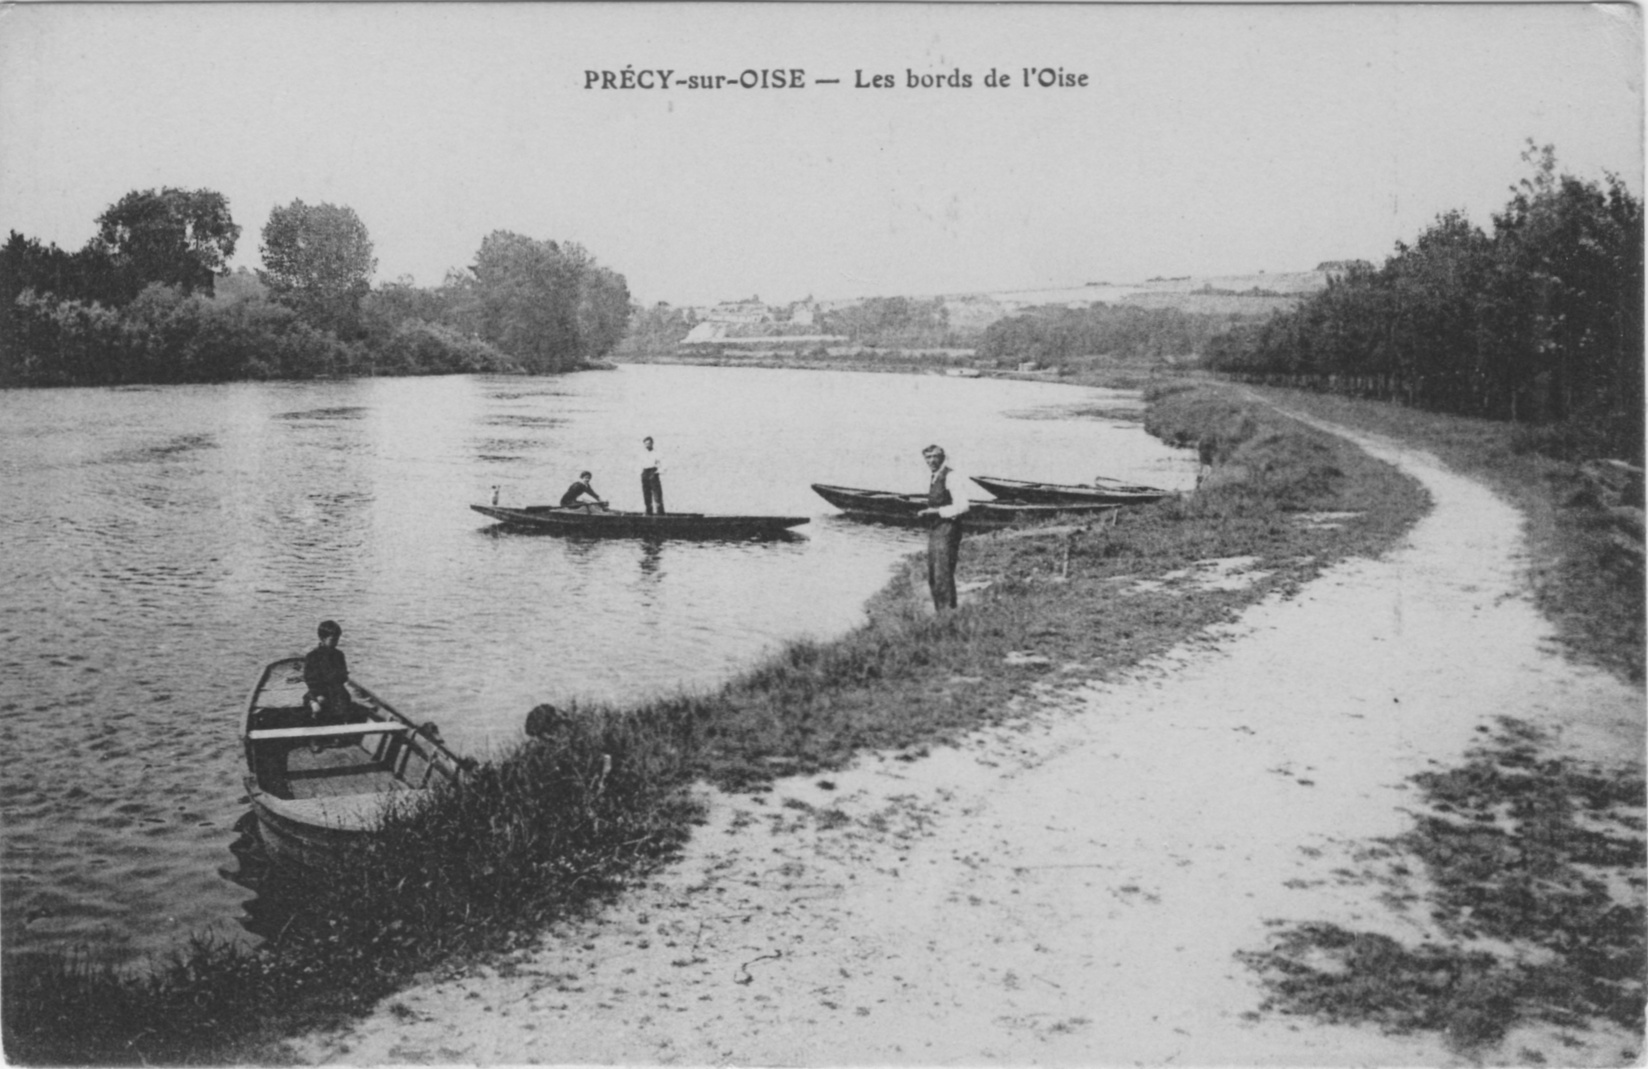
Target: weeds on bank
x=570, y=818
x=1535, y=867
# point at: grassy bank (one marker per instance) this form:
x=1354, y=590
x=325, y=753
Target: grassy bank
x=1533, y=882
x=572, y=818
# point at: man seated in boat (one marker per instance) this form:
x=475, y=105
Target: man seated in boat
x=326, y=674
x=581, y=489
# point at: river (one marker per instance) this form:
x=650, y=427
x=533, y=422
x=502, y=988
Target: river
x=163, y=543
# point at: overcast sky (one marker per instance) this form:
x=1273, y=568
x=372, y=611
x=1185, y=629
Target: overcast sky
x=1207, y=140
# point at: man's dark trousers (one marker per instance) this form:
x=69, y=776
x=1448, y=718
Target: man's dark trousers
x=943, y=547
x=652, y=489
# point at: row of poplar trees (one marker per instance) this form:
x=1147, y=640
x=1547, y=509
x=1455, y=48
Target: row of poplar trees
x=1538, y=321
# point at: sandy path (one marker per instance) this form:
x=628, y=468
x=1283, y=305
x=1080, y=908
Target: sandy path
x=1071, y=888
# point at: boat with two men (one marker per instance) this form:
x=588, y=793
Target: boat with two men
x=595, y=521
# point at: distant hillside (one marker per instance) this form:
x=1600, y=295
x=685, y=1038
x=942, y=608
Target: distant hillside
x=1163, y=319
x=1217, y=303
x=960, y=321
x=1224, y=295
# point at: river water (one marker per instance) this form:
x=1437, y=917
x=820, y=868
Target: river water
x=161, y=544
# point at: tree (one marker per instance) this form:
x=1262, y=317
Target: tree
x=527, y=296
x=317, y=260
x=174, y=237
x=603, y=311
x=550, y=306
x=657, y=329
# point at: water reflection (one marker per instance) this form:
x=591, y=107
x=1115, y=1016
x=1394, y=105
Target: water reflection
x=272, y=906
x=652, y=559
x=579, y=550
x=339, y=412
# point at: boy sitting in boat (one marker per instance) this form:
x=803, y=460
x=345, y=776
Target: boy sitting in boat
x=326, y=674
x=580, y=489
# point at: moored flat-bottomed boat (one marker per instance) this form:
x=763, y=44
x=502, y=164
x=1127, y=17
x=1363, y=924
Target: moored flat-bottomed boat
x=1102, y=492
x=590, y=520
x=319, y=790
x=889, y=507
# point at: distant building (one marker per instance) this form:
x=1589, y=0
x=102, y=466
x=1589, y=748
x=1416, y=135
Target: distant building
x=750, y=311
x=705, y=333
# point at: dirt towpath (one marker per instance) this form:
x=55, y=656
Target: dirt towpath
x=1071, y=888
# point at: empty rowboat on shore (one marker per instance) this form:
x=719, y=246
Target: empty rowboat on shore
x=1102, y=492
x=888, y=507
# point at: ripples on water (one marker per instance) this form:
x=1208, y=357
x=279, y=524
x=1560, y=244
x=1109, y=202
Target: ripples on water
x=162, y=544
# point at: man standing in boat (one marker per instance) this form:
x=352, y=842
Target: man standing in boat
x=581, y=489
x=325, y=673
x=946, y=502
x=652, y=488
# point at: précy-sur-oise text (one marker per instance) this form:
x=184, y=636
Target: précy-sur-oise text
x=648, y=78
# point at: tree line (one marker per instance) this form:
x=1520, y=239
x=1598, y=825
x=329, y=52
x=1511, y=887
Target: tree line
x=1066, y=336
x=895, y=323
x=1538, y=320
x=150, y=298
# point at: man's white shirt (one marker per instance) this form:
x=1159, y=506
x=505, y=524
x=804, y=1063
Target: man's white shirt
x=958, y=485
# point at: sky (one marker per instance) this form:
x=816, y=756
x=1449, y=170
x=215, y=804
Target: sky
x=1199, y=140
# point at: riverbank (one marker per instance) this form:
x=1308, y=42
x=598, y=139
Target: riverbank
x=1047, y=616
x=1265, y=846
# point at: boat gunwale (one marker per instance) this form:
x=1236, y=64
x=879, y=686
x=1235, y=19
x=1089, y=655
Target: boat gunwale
x=574, y=519
x=1128, y=493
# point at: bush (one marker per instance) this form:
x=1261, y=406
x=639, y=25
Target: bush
x=420, y=348
x=165, y=336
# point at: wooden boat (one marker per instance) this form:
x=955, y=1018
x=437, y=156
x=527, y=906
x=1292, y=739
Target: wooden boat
x=318, y=790
x=587, y=520
x=889, y=507
x=1102, y=492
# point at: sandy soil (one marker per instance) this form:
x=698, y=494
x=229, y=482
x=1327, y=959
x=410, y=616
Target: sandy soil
x=1071, y=888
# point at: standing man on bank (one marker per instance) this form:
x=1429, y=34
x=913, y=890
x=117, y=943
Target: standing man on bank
x=651, y=486
x=946, y=502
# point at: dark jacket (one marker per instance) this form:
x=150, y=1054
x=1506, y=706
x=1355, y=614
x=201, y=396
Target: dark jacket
x=325, y=671
x=577, y=490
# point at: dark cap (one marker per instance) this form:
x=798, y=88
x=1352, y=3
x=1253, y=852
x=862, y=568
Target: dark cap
x=329, y=627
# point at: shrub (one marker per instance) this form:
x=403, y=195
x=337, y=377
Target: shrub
x=421, y=348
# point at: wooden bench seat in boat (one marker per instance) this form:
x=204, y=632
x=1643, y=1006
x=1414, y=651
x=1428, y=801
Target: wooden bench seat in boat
x=372, y=727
